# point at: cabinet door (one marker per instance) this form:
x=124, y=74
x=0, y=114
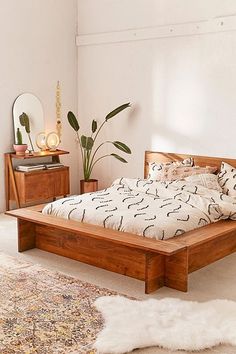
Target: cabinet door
x=38, y=186
x=61, y=182
x=44, y=185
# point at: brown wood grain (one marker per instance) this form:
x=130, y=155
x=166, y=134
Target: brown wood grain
x=200, y=255
x=98, y=232
x=100, y=253
x=7, y=181
x=35, y=186
x=26, y=235
x=42, y=185
x=176, y=271
x=38, y=154
x=155, y=272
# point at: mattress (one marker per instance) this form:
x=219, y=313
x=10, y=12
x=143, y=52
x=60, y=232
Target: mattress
x=158, y=210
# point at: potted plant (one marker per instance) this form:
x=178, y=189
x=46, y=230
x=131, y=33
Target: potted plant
x=89, y=150
x=19, y=147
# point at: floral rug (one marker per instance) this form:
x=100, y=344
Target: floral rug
x=45, y=312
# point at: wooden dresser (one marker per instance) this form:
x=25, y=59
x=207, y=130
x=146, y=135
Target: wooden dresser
x=24, y=188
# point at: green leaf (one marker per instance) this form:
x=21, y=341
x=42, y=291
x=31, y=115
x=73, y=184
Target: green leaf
x=24, y=121
x=87, y=142
x=73, y=121
x=121, y=146
x=94, y=126
x=119, y=158
x=117, y=110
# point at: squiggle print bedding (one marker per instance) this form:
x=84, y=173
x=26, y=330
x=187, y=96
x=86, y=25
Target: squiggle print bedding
x=159, y=210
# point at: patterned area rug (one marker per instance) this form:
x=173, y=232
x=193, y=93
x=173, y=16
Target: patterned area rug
x=45, y=312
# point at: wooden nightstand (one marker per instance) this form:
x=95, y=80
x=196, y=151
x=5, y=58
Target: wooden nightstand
x=36, y=186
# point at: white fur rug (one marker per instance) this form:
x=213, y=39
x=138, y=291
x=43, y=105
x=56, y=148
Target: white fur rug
x=169, y=323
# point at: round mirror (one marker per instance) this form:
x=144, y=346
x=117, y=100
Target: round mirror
x=29, y=104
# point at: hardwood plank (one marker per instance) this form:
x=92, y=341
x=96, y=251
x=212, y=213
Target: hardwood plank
x=12, y=180
x=38, y=207
x=207, y=233
x=200, y=255
x=26, y=235
x=39, y=154
x=98, y=232
x=7, y=182
x=176, y=271
x=104, y=254
x=155, y=269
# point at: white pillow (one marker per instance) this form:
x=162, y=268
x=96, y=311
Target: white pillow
x=227, y=179
x=208, y=180
x=155, y=168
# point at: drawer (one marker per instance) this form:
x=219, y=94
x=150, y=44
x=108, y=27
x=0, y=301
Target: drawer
x=42, y=185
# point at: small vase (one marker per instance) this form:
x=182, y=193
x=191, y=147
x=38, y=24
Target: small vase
x=88, y=186
x=20, y=149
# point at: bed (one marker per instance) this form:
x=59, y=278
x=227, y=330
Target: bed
x=156, y=262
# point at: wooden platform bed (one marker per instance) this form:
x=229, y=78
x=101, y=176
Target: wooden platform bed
x=157, y=263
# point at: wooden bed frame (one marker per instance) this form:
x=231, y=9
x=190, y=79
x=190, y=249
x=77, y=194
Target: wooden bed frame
x=158, y=263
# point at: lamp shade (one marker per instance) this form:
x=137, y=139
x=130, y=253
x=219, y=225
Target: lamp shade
x=52, y=141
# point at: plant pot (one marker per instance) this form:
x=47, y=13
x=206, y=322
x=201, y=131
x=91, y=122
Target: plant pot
x=88, y=186
x=20, y=149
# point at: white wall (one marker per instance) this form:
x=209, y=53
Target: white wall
x=37, y=45
x=183, y=89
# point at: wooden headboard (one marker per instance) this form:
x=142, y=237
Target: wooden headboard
x=152, y=156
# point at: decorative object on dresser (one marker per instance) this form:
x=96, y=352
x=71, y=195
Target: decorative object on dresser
x=48, y=141
x=88, y=150
x=41, y=141
x=52, y=141
x=28, y=112
x=25, y=122
x=19, y=147
x=157, y=262
x=40, y=184
x=58, y=111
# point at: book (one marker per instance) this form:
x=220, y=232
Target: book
x=36, y=167
x=53, y=165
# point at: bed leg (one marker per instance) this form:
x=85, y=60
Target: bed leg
x=26, y=235
x=154, y=272
x=176, y=271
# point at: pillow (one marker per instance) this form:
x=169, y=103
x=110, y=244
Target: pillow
x=173, y=173
x=155, y=168
x=227, y=179
x=207, y=180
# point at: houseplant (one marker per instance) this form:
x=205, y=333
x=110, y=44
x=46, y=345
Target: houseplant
x=24, y=121
x=19, y=147
x=89, y=149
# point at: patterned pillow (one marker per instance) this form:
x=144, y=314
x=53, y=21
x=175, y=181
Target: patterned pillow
x=178, y=173
x=207, y=180
x=227, y=179
x=155, y=168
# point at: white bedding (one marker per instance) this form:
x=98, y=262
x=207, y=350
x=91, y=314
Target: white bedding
x=158, y=210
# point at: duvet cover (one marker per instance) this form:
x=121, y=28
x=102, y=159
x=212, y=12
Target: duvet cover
x=159, y=210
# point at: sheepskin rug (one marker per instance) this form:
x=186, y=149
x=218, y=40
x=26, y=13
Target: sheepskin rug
x=169, y=323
